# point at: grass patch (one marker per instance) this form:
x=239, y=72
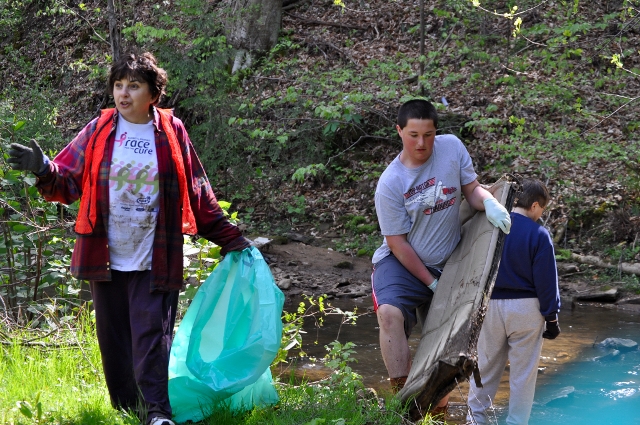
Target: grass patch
x=55, y=377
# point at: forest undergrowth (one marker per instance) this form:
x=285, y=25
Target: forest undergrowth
x=297, y=141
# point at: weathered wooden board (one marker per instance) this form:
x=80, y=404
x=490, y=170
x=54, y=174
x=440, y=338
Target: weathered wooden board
x=447, y=353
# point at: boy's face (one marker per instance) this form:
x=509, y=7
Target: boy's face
x=417, y=137
x=535, y=212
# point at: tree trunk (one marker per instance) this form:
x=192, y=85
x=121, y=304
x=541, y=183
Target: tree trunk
x=421, y=47
x=253, y=27
x=114, y=31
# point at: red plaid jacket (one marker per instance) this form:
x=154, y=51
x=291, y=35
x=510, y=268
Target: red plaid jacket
x=90, y=258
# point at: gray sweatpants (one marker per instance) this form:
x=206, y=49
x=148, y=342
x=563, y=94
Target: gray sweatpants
x=512, y=330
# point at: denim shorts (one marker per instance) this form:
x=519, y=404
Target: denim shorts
x=392, y=284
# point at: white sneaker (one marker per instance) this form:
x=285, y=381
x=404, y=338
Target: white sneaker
x=159, y=420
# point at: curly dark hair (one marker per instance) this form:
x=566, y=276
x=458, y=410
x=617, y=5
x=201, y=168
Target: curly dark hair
x=143, y=67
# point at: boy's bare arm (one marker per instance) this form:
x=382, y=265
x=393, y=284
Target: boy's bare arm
x=476, y=194
x=404, y=252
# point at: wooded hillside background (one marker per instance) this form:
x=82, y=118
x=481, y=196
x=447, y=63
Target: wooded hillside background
x=294, y=130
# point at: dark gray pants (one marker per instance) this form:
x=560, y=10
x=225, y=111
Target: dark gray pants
x=135, y=330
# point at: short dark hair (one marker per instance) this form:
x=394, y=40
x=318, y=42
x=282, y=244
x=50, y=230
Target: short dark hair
x=417, y=109
x=533, y=190
x=136, y=67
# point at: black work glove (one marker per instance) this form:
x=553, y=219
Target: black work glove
x=553, y=328
x=29, y=159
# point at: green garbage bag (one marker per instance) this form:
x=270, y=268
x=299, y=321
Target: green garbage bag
x=227, y=339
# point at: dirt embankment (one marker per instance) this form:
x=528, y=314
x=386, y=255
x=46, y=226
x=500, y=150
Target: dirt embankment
x=305, y=269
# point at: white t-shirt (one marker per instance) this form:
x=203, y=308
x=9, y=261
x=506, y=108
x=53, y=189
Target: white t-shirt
x=424, y=202
x=133, y=196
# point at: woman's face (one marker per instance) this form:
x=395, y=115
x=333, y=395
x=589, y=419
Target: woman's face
x=133, y=100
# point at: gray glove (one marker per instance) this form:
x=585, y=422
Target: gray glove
x=29, y=159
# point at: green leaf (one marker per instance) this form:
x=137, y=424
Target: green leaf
x=190, y=292
x=20, y=228
x=25, y=409
x=11, y=178
x=17, y=126
x=214, y=252
x=39, y=410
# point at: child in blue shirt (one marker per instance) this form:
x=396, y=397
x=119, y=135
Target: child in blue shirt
x=525, y=300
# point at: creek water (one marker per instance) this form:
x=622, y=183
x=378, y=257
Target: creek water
x=579, y=382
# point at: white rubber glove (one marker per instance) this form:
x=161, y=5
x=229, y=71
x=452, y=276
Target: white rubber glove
x=433, y=285
x=497, y=215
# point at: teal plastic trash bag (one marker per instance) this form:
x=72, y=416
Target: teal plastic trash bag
x=226, y=341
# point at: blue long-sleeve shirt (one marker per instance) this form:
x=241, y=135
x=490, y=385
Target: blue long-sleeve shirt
x=528, y=266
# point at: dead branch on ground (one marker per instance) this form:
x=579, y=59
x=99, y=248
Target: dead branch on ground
x=633, y=268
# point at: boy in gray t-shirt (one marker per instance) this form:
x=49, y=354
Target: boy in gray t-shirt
x=427, y=210
x=417, y=201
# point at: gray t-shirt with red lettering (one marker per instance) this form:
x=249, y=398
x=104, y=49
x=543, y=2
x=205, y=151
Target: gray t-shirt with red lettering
x=424, y=202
